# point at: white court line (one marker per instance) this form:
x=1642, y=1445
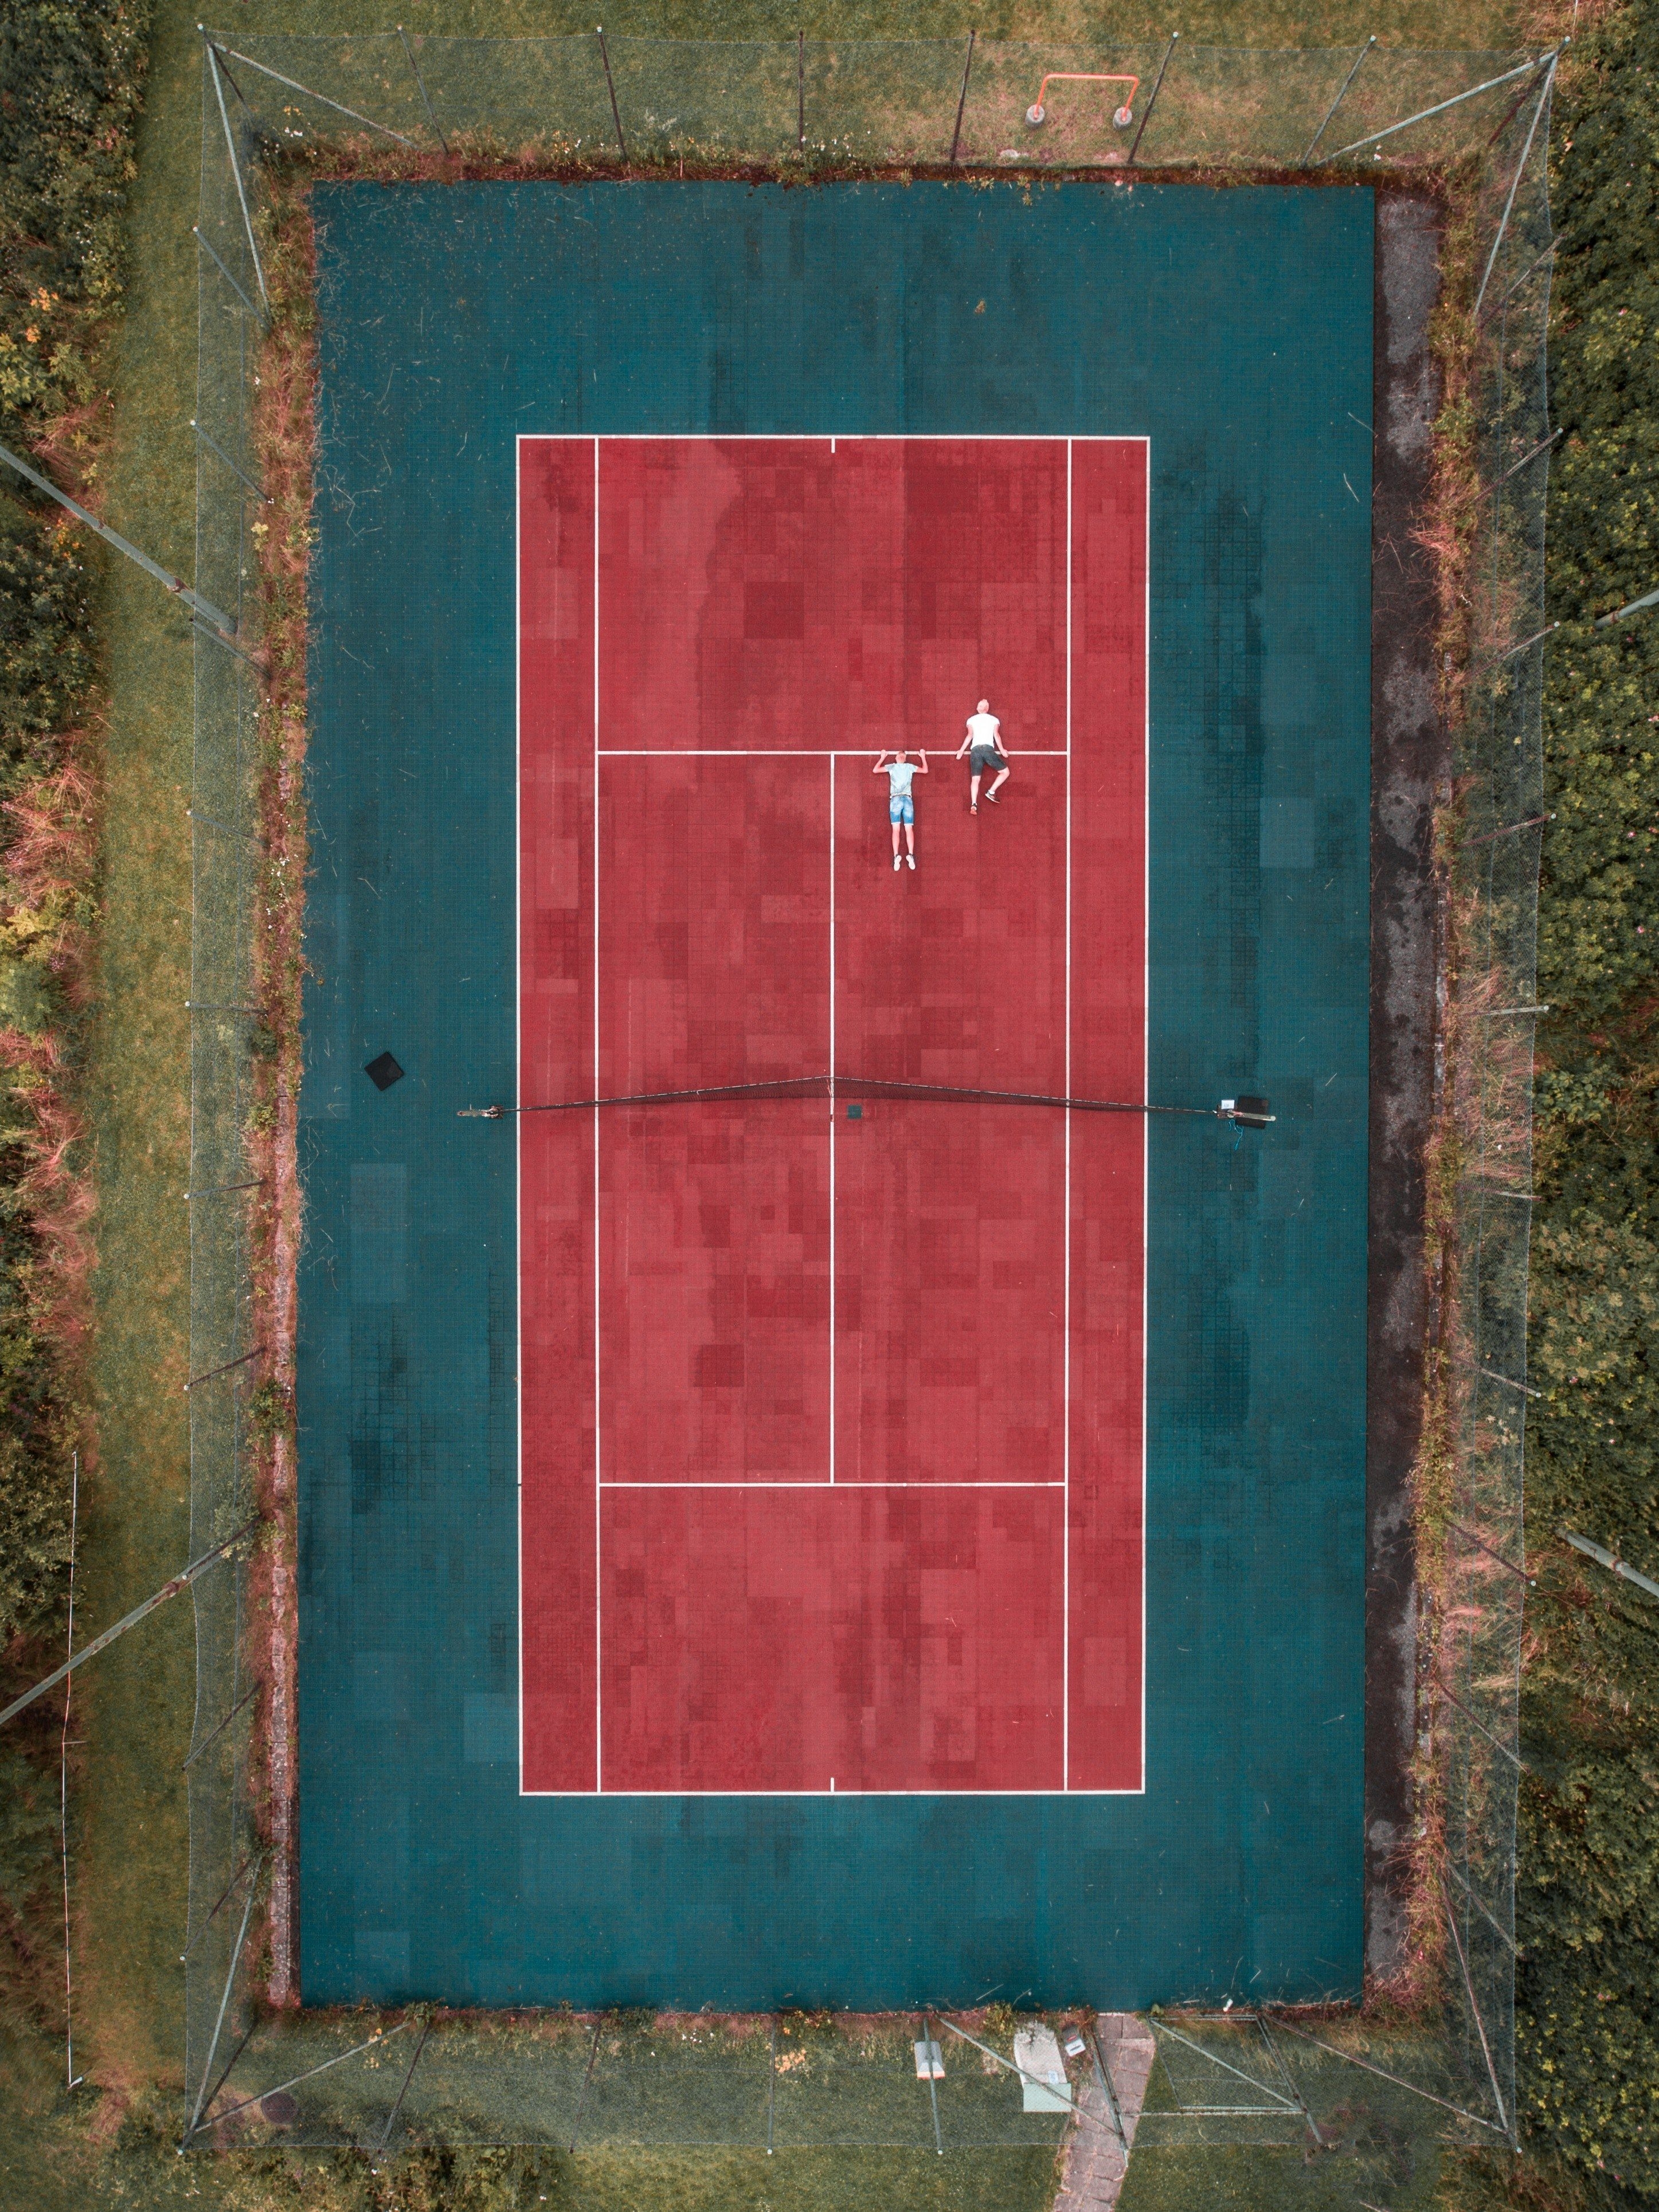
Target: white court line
x=832, y=1117
x=1065, y=1326
x=815, y=1484
x=598, y=1554
x=517, y=1028
x=863, y=752
x=796, y=752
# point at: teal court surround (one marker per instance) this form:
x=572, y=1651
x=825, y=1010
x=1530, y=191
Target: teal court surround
x=1234, y=330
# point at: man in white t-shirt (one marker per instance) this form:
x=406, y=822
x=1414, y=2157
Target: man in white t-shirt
x=989, y=757
x=901, y=807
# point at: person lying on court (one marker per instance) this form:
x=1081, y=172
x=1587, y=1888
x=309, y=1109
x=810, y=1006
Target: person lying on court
x=989, y=755
x=901, y=807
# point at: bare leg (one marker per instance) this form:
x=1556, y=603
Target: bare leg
x=895, y=841
x=973, y=792
x=910, y=835
x=1002, y=778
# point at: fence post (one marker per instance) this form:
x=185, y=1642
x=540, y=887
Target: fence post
x=1337, y=102
x=224, y=2002
x=611, y=87
x=1147, y=111
x=962, y=97
x=1515, y=182
x=213, y=446
x=214, y=71
x=258, y=313
x=421, y=83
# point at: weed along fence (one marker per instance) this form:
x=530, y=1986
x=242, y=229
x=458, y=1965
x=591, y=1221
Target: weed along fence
x=402, y=106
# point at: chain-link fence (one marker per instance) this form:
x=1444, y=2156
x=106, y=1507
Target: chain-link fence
x=809, y=106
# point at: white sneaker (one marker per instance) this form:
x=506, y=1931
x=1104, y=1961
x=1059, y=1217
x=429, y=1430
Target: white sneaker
x=911, y=857
x=896, y=860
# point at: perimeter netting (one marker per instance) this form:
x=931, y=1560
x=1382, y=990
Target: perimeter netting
x=799, y=107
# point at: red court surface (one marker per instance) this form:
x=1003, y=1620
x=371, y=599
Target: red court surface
x=831, y=1428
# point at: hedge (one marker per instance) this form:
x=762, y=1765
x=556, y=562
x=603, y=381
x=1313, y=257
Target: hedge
x=70, y=79
x=1588, y=1905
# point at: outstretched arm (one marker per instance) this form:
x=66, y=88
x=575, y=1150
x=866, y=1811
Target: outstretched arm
x=963, y=746
x=880, y=758
x=922, y=770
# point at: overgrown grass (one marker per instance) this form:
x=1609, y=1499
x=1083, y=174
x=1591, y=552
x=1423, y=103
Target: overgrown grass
x=130, y=1859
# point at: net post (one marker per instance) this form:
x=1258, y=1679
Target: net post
x=415, y=69
x=771, y=2076
x=800, y=89
x=611, y=87
x=962, y=97
x=1147, y=111
x=1336, y=103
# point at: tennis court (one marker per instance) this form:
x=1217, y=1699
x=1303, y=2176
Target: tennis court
x=799, y=1421
x=834, y=1544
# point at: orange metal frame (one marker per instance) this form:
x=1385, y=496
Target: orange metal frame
x=1039, y=107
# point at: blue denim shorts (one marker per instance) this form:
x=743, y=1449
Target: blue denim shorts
x=901, y=810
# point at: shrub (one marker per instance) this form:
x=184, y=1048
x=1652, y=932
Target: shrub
x=1588, y=1902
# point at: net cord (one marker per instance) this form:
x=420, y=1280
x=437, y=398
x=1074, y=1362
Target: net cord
x=827, y=1085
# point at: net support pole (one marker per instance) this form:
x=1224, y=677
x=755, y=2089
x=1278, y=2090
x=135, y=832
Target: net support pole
x=1147, y=111
x=800, y=90
x=611, y=87
x=962, y=97
x=1543, y=101
x=128, y=1620
x=217, y=75
x=438, y=130
x=1337, y=102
